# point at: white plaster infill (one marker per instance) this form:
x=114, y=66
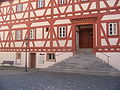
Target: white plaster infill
x=113, y=41
x=40, y=24
x=111, y=17
x=4, y=27
x=19, y=26
x=63, y=21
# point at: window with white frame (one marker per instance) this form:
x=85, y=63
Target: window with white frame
x=18, y=35
x=32, y=34
x=19, y=7
x=62, y=32
x=40, y=3
x=50, y=56
x=62, y=1
x=112, y=29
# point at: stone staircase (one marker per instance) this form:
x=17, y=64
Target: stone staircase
x=84, y=64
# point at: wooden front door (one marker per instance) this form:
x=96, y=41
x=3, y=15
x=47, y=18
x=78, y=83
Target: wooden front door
x=86, y=39
x=32, y=60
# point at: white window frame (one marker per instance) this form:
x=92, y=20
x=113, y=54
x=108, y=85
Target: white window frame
x=18, y=35
x=112, y=29
x=32, y=33
x=62, y=31
x=19, y=7
x=40, y=3
x=62, y=2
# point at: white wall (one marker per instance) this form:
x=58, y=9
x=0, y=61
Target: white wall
x=40, y=59
x=11, y=56
x=114, y=58
x=7, y=56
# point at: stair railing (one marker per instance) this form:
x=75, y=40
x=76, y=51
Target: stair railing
x=108, y=58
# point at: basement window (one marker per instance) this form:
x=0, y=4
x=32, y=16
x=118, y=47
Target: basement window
x=51, y=57
x=18, y=55
x=112, y=29
x=18, y=58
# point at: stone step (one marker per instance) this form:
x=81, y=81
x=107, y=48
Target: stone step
x=81, y=63
x=85, y=65
x=74, y=61
x=81, y=57
x=82, y=68
x=84, y=71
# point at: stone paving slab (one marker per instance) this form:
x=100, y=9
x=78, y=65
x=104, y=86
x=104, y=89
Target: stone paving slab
x=39, y=80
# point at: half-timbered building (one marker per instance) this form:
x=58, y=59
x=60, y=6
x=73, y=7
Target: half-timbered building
x=50, y=31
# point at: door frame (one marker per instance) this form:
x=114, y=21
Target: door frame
x=84, y=20
x=94, y=39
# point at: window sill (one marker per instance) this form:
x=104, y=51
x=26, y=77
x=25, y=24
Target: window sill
x=51, y=60
x=84, y=1
x=62, y=4
x=61, y=37
x=18, y=11
x=113, y=36
x=40, y=7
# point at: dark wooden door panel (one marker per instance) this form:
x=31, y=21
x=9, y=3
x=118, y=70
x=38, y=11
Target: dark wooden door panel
x=86, y=39
x=32, y=60
x=90, y=40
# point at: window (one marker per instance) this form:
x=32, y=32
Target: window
x=62, y=32
x=62, y=2
x=112, y=28
x=18, y=35
x=40, y=3
x=19, y=7
x=47, y=29
x=32, y=34
x=50, y=57
x=18, y=55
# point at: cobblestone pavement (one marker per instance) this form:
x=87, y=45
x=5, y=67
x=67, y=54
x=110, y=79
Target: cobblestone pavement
x=17, y=79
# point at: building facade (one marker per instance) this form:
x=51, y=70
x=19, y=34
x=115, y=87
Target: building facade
x=50, y=31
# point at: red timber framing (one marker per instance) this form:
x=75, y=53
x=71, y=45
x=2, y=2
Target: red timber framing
x=51, y=13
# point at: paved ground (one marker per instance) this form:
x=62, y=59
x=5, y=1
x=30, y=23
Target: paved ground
x=17, y=79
